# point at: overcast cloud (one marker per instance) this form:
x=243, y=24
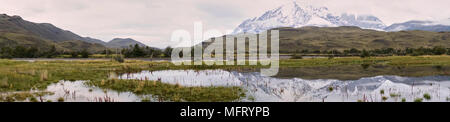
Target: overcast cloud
x=153, y=21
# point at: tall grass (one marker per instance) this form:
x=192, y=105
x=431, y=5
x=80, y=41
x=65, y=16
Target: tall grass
x=24, y=76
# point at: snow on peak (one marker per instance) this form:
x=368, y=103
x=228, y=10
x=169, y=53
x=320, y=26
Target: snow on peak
x=299, y=15
x=443, y=21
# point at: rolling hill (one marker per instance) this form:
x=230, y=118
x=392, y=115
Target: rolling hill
x=346, y=37
x=14, y=31
x=123, y=43
x=341, y=38
x=17, y=39
x=15, y=24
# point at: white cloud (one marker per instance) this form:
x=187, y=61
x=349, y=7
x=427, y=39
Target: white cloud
x=153, y=21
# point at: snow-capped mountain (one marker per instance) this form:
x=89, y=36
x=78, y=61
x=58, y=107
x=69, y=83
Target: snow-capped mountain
x=299, y=15
x=436, y=26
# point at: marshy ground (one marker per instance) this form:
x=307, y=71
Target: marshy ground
x=29, y=81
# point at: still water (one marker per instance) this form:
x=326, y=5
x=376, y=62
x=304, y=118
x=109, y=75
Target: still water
x=269, y=89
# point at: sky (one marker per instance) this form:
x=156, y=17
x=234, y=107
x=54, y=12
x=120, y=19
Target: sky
x=153, y=21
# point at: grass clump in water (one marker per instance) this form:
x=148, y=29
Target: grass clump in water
x=22, y=96
x=146, y=99
x=33, y=99
x=251, y=98
x=60, y=99
x=394, y=95
x=418, y=100
x=427, y=96
x=330, y=89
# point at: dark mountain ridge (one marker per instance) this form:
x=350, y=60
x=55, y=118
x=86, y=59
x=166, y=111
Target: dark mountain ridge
x=15, y=31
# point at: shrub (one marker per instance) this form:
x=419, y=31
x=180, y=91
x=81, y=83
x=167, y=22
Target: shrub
x=119, y=59
x=365, y=54
x=296, y=56
x=74, y=54
x=330, y=89
x=439, y=50
x=365, y=66
x=85, y=54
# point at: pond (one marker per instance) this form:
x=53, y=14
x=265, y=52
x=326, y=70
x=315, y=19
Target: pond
x=75, y=91
x=268, y=89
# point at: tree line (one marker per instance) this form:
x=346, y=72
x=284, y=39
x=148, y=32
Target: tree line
x=27, y=52
x=133, y=51
x=136, y=51
x=438, y=50
x=33, y=52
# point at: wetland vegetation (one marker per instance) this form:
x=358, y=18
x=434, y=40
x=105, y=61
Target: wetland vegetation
x=24, y=76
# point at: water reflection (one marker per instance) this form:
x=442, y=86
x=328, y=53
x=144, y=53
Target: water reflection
x=78, y=91
x=188, y=77
x=269, y=89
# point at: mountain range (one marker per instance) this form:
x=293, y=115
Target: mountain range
x=435, y=26
x=16, y=31
x=123, y=43
x=301, y=27
x=297, y=15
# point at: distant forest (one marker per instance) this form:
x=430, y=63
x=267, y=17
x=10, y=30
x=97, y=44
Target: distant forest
x=438, y=50
x=137, y=51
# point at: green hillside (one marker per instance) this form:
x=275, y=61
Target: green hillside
x=75, y=45
x=15, y=39
x=14, y=31
x=342, y=38
x=294, y=40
